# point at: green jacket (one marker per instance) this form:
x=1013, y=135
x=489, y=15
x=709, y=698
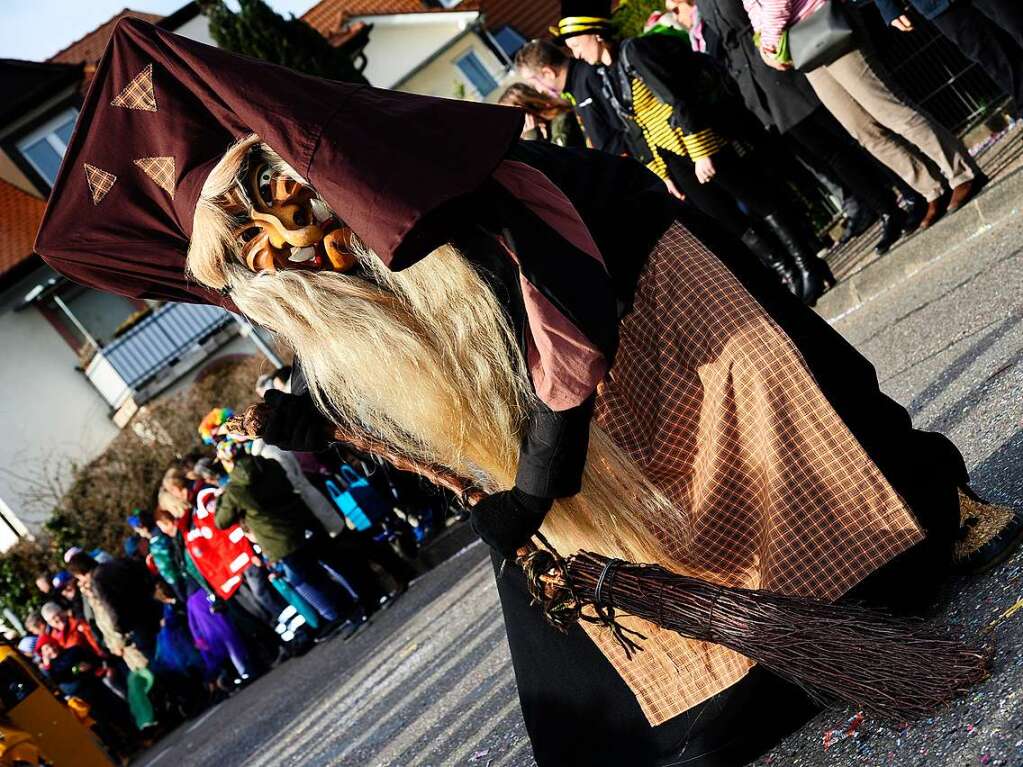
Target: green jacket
x=162, y=549
x=261, y=499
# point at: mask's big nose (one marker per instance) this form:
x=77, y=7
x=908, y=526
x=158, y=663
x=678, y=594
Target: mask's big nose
x=281, y=234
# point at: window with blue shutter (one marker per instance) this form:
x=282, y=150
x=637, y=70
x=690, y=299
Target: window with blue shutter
x=477, y=74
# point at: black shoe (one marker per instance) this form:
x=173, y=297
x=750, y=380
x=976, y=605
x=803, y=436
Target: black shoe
x=891, y=230
x=989, y=534
x=330, y=630
x=915, y=209
x=814, y=274
x=859, y=223
x=387, y=600
x=774, y=261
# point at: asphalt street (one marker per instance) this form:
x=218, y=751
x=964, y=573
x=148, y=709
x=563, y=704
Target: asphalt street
x=429, y=683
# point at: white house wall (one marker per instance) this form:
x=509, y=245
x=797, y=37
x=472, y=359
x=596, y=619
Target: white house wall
x=50, y=414
x=197, y=29
x=441, y=75
x=400, y=43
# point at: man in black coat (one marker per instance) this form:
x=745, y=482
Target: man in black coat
x=547, y=65
x=127, y=588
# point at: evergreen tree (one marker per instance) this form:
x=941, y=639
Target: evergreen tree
x=630, y=16
x=257, y=31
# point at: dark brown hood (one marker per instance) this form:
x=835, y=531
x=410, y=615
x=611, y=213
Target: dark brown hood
x=162, y=110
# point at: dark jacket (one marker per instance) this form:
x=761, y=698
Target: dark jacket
x=626, y=209
x=690, y=82
x=929, y=9
x=602, y=127
x=778, y=99
x=261, y=499
x=126, y=587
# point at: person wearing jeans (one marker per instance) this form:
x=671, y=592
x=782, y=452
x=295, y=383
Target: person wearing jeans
x=260, y=496
x=990, y=32
x=852, y=91
x=304, y=571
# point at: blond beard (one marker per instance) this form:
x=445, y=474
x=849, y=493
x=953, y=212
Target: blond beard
x=425, y=360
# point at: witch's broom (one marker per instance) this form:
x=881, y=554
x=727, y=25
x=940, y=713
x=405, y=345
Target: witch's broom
x=897, y=669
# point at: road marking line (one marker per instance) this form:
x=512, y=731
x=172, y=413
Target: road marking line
x=158, y=757
x=203, y=718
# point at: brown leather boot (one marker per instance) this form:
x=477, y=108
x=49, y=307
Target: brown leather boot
x=934, y=211
x=965, y=192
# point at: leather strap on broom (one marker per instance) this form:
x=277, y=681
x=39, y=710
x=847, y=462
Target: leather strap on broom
x=893, y=668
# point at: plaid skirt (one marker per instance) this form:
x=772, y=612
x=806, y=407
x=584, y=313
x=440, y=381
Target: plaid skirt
x=770, y=488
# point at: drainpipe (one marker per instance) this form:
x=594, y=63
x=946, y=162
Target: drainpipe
x=74, y=321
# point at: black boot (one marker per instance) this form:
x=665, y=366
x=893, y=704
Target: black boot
x=891, y=230
x=915, y=210
x=774, y=261
x=858, y=221
x=814, y=273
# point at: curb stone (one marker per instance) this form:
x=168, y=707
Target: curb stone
x=998, y=202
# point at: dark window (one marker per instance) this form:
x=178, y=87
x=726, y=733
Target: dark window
x=477, y=74
x=45, y=146
x=509, y=40
x=16, y=684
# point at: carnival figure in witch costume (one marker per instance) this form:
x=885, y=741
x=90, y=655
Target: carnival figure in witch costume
x=544, y=321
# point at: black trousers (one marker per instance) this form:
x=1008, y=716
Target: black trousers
x=828, y=144
x=345, y=555
x=736, y=179
x=991, y=33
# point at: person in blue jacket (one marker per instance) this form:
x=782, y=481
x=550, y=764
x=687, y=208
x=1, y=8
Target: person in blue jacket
x=989, y=32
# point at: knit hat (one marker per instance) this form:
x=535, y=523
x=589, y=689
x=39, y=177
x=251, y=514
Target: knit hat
x=51, y=610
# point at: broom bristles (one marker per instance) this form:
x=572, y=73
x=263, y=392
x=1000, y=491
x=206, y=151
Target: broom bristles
x=896, y=669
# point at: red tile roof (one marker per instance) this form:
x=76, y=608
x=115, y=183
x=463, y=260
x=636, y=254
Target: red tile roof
x=89, y=48
x=328, y=16
x=20, y=215
x=532, y=18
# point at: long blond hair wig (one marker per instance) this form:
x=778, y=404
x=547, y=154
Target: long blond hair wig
x=424, y=359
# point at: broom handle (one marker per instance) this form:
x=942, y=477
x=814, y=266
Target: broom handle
x=251, y=421
x=464, y=488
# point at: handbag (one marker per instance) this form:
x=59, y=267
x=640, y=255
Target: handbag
x=821, y=38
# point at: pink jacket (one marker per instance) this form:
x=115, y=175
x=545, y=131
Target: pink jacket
x=772, y=17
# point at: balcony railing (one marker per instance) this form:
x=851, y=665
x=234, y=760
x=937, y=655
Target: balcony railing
x=173, y=334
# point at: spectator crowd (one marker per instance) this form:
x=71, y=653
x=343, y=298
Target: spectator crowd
x=249, y=556
x=710, y=98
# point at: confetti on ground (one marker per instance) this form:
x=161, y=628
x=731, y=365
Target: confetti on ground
x=850, y=730
x=1006, y=615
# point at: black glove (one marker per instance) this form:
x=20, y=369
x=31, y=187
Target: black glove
x=507, y=520
x=295, y=423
